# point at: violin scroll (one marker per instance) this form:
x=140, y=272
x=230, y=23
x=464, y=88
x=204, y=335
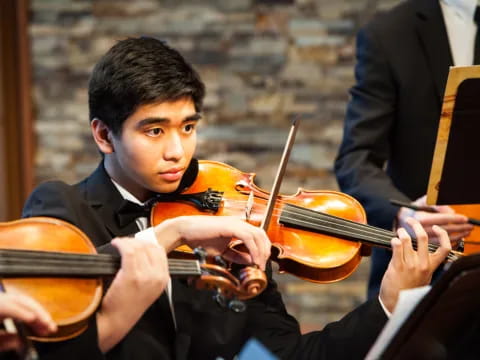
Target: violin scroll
x=216, y=276
x=251, y=282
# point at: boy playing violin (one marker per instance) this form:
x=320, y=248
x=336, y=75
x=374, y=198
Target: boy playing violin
x=145, y=101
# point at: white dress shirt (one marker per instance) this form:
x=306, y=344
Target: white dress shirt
x=461, y=29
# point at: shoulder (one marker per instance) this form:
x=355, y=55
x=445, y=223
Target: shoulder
x=398, y=18
x=54, y=199
x=390, y=28
x=51, y=191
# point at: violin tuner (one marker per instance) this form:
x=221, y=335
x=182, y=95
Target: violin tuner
x=237, y=306
x=220, y=261
x=220, y=299
x=201, y=254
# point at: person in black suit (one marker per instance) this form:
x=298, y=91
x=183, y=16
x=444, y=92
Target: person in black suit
x=145, y=102
x=390, y=128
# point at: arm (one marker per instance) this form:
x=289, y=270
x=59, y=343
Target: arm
x=369, y=121
x=354, y=334
x=143, y=269
x=214, y=234
x=140, y=281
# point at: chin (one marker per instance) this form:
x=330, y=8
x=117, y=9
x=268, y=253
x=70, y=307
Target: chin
x=167, y=188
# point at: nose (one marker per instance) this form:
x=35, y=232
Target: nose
x=173, y=147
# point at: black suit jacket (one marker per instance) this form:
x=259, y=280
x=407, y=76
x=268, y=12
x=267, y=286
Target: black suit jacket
x=204, y=330
x=403, y=57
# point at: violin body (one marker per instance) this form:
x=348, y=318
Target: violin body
x=70, y=301
x=308, y=255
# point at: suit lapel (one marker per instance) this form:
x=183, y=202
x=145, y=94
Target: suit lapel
x=105, y=199
x=432, y=31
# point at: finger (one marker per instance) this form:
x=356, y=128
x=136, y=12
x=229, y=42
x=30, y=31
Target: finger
x=265, y=244
x=407, y=249
x=443, y=250
x=158, y=258
x=248, y=240
x=150, y=251
x=430, y=219
x=238, y=257
x=397, y=253
x=455, y=228
x=127, y=253
x=42, y=322
x=456, y=237
x=27, y=310
x=444, y=209
x=11, y=306
x=422, y=238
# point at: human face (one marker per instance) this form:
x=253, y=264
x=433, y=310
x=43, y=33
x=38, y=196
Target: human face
x=154, y=148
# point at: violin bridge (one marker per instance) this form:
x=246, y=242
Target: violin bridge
x=249, y=206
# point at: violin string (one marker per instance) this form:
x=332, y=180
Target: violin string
x=357, y=226
x=384, y=236
x=76, y=264
x=376, y=235
x=281, y=209
x=338, y=226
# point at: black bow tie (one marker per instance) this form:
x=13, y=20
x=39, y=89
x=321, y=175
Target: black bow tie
x=129, y=212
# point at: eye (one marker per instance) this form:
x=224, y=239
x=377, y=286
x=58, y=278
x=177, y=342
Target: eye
x=154, y=131
x=189, y=128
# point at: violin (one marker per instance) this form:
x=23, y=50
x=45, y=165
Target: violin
x=318, y=236
x=55, y=263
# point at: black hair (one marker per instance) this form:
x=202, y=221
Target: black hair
x=139, y=71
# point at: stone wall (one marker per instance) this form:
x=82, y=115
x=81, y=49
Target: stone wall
x=264, y=62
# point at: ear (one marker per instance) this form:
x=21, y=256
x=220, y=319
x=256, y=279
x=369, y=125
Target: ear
x=102, y=136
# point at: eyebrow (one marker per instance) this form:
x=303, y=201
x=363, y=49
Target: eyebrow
x=159, y=120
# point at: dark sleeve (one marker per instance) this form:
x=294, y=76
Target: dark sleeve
x=84, y=346
x=365, y=148
x=270, y=323
x=59, y=200
x=349, y=338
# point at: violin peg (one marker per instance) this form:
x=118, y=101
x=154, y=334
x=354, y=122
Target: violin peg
x=201, y=254
x=220, y=261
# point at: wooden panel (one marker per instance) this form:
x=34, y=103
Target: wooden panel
x=16, y=155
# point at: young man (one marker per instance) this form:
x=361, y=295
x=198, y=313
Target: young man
x=145, y=101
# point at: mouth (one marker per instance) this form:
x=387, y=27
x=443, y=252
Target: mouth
x=173, y=174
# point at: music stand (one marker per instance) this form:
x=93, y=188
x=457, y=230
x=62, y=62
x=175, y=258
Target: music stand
x=455, y=173
x=446, y=322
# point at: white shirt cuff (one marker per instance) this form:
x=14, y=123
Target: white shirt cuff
x=388, y=313
x=147, y=235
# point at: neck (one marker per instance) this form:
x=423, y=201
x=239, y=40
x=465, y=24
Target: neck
x=115, y=173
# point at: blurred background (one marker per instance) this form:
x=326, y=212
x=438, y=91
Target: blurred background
x=264, y=62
